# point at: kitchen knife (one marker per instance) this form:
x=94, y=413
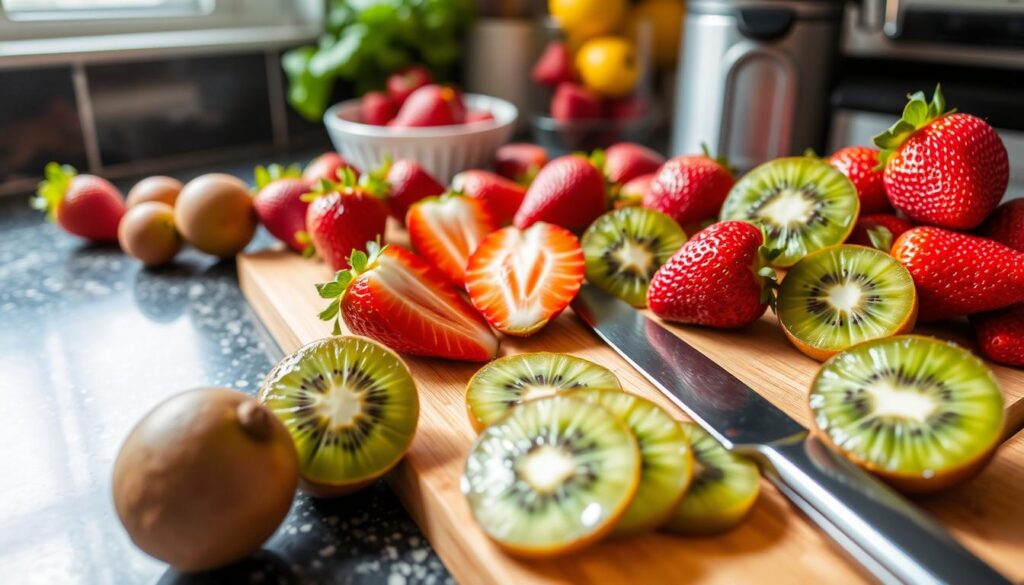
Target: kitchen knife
x=892, y=539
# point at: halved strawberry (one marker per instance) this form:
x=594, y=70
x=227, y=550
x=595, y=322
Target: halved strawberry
x=521, y=279
x=394, y=297
x=446, y=230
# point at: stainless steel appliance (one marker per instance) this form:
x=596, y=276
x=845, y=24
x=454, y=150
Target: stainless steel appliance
x=754, y=77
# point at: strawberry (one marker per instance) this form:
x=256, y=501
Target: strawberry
x=569, y=191
x=626, y=161
x=502, y=196
x=522, y=279
x=279, y=204
x=478, y=116
x=572, y=101
x=431, y=105
x=446, y=230
x=719, y=278
x=944, y=169
x=633, y=192
x=959, y=274
x=690, y=189
x=343, y=216
x=860, y=165
x=628, y=108
x=401, y=84
x=1000, y=334
x=520, y=161
x=555, y=65
x=377, y=108
x=392, y=296
x=406, y=183
x=328, y=166
x=878, y=230
x=84, y=205
x=1006, y=224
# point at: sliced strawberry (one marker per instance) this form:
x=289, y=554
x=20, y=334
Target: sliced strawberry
x=521, y=279
x=446, y=230
x=502, y=196
x=394, y=297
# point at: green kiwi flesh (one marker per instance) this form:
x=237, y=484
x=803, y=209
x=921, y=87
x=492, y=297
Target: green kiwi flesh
x=666, y=463
x=843, y=295
x=920, y=412
x=802, y=203
x=351, y=407
x=722, y=492
x=502, y=384
x=624, y=248
x=552, y=476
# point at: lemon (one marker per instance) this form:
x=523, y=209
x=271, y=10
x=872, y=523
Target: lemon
x=584, y=19
x=662, y=20
x=608, y=66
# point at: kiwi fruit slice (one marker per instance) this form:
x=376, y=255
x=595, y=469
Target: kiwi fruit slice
x=801, y=202
x=625, y=247
x=205, y=478
x=351, y=407
x=843, y=295
x=502, y=384
x=666, y=462
x=553, y=476
x=722, y=492
x=921, y=413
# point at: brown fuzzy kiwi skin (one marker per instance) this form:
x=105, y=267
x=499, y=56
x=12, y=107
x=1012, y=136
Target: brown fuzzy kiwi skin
x=821, y=355
x=183, y=480
x=906, y=482
x=327, y=490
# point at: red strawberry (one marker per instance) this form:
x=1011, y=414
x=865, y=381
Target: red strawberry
x=406, y=182
x=1006, y=224
x=628, y=108
x=341, y=217
x=402, y=83
x=522, y=279
x=84, y=205
x=555, y=65
x=478, y=116
x=634, y=191
x=446, y=230
x=431, y=105
x=279, y=204
x=569, y=191
x=860, y=165
x=878, y=231
x=690, y=189
x=719, y=278
x=626, y=161
x=327, y=166
x=1000, y=334
x=959, y=274
x=377, y=108
x=392, y=296
x=520, y=161
x=572, y=101
x=502, y=196
x=944, y=169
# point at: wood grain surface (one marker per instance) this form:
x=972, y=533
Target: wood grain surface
x=775, y=545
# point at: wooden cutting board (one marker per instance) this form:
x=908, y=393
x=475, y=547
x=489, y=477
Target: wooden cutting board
x=776, y=544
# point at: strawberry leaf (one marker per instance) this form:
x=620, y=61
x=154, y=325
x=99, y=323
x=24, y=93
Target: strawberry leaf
x=917, y=114
x=358, y=261
x=881, y=238
x=51, y=191
x=331, y=311
x=264, y=176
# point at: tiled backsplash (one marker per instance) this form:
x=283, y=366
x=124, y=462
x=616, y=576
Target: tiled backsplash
x=120, y=119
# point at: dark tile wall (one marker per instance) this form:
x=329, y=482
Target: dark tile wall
x=38, y=122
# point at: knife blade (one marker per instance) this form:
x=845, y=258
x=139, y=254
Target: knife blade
x=890, y=538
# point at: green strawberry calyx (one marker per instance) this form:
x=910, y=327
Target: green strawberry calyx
x=359, y=262
x=918, y=113
x=766, y=273
x=57, y=181
x=720, y=158
x=349, y=183
x=263, y=176
x=376, y=181
x=881, y=238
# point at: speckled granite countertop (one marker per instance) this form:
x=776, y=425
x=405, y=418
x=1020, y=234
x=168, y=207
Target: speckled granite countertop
x=89, y=342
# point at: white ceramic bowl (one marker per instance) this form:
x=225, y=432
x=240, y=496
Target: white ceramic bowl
x=442, y=150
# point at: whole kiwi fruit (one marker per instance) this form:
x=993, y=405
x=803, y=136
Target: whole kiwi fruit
x=214, y=213
x=147, y=233
x=155, y=188
x=205, y=478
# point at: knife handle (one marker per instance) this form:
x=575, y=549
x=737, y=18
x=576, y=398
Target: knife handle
x=891, y=538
